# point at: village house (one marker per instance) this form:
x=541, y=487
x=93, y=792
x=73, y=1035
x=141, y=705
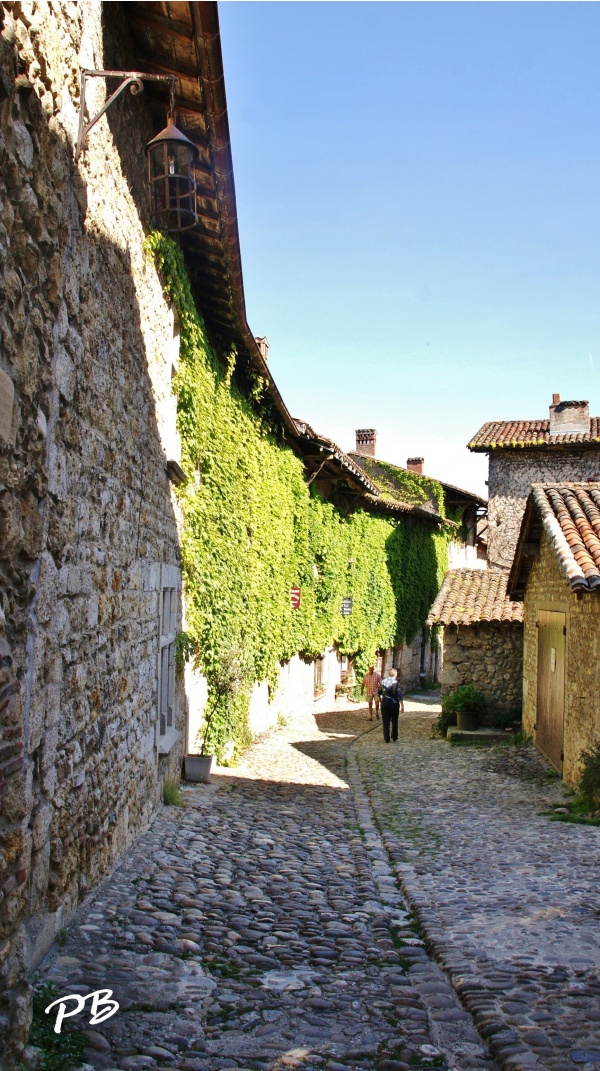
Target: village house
x=410, y=493
x=482, y=637
x=565, y=446
x=556, y=576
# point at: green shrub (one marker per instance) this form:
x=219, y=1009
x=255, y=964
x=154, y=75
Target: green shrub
x=589, y=784
x=466, y=697
x=519, y=738
x=171, y=795
x=506, y=719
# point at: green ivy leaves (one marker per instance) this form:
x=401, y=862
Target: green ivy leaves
x=253, y=530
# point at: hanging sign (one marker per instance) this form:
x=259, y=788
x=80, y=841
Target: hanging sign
x=347, y=606
x=295, y=598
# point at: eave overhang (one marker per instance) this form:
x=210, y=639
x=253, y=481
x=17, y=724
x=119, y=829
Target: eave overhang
x=183, y=39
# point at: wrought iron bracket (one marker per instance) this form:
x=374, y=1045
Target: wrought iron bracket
x=132, y=79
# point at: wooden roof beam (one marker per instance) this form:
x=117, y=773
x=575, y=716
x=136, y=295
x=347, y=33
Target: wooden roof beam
x=173, y=27
x=163, y=68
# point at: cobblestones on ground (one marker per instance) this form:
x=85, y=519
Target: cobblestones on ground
x=261, y=927
x=508, y=901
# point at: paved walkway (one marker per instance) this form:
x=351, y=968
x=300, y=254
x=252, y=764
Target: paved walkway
x=251, y=929
x=262, y=926
x=510, y=901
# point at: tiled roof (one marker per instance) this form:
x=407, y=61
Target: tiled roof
x=570, y=515
x=307, y=433
x=515, y=433
x=469, y=596
x=386, y=504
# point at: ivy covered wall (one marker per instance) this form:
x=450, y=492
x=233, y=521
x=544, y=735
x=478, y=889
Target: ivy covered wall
x=253, y=530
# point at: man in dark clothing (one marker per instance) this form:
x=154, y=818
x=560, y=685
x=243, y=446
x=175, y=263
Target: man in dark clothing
x=392, y=704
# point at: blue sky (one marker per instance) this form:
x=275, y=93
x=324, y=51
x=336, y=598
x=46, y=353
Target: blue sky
x=418, y=190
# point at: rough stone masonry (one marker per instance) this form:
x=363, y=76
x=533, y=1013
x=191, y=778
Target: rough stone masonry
x=87, y=518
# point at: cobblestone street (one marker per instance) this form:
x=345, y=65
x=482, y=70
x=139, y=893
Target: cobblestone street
x=261, y=926
x=509, y=900
x=252, y=929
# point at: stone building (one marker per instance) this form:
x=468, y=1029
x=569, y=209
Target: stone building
x=565, y=446
x=483, y=638
x=89, y=545
x=407, y=490
x=92, y=717
x=556, y=574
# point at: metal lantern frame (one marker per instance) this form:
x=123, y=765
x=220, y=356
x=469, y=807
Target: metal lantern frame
x=171, y=155
x=171, y=160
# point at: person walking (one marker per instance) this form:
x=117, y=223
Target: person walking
x=372, y=682
x=392, y=705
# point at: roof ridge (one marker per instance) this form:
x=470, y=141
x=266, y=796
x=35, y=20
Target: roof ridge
x=507, y=434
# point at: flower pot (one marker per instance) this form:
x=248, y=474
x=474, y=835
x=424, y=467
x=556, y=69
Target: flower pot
x=467, y=720
x=198, y=767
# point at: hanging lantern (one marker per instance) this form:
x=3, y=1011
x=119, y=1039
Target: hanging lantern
x=171, y=159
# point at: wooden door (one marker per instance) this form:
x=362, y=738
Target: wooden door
x=551, y=686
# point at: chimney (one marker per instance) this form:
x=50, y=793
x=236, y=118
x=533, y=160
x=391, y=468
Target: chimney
x=366, y=441
x=569, y=418
x=415, y=464
x=263, y=345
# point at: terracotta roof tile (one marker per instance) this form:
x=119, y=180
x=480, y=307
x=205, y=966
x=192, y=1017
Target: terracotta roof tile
x=306, y=432
x=570, y=514
x=469, y=596
x=519, y=433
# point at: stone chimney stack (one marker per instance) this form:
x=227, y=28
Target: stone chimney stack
x=263, y=345
x=569, y=418
x=415, y=464
x=366, y=441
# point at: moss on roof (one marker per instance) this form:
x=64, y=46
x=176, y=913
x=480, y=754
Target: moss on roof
x=404, y=486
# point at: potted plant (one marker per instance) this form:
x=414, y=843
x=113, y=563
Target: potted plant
x=463, y=709
x=224, y=682
x=468, y=705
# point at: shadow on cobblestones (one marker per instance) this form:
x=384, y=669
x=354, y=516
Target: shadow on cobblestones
x=259, y=927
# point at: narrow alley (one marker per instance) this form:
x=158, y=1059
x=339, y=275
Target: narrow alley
x=262, y=926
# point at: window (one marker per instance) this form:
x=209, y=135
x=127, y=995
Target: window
x=169, y=613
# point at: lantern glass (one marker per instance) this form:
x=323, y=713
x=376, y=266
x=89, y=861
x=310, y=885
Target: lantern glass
x=171, y=159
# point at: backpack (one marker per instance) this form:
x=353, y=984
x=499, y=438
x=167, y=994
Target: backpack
x=390, y=689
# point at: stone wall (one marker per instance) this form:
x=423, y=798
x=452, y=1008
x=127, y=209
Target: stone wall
x=408, y=658
x=294, y=695
x=87, y=516
x=548, y=590
x=511, y=474
x=488, y=656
